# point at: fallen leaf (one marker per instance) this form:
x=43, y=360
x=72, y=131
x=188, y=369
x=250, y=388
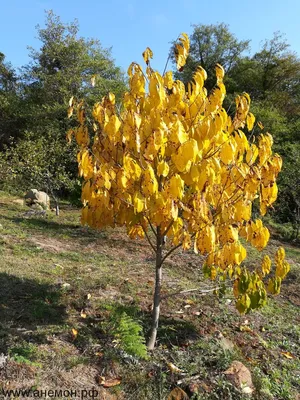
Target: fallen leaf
x=262, y=329
x=189, y=301
x=245, y=328
x=107, y=383
x=287, y=354
x=74, y=333
x=197, y=313
x=83, y=314
x=172, y=367
x=178, y=394
x=101, y=380
x=88, y=296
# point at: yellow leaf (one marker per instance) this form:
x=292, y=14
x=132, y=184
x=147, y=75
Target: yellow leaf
x=147, y=54
x=176, y=187
x=82, y=314
x=168, y=80
x=69, y=135
x=162, y=169
x=250, y=121
x=274, y=285
x=182, y=50
x=138, y=203
x=266, y=265
x=70, y=112
x=227, y=153
x=186, y=155
x=243, y=303
x=219, y=72
x=260, y=125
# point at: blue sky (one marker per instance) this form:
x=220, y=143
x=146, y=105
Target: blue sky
x=130, y=26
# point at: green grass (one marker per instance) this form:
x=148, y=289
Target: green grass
x=56, y=276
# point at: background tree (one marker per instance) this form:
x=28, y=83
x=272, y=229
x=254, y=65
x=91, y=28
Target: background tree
x=36, y=162
x=212, y=44
x=63, y=67
x=10, y=103
x=174, y=163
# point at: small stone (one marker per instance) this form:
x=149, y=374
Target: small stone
x=3, y=360
x=66, y=286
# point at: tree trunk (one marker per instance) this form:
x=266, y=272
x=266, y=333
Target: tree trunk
x=56, y=208
x=156, y=298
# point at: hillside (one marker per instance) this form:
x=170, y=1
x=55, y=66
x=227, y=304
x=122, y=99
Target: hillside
x=63, y=288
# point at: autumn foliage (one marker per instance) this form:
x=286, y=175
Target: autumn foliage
x=172, y=159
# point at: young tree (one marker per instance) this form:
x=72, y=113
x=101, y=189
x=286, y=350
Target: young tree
x=173, y=163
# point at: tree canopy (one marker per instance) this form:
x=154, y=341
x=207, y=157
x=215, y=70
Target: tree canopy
x=174, y=163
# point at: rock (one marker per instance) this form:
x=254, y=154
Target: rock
x=37, y=207
x=240, y=376
x=66, y=286
x=33, y=196
x=3, y=360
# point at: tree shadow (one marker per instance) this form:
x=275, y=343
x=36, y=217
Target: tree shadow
x=26, y=304
x=171, y=331
x=44, y=224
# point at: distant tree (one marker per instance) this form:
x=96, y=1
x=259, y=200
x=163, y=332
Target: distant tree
x=36, y=162
x=212, y=44
x=65, y=66
x=10, y=103
x=272, y=74
x=287, y=209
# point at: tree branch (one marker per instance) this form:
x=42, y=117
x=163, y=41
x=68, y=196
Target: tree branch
x=203, y=292
x=174, y=248
x=171, y=251
x=168, y=228
x=151, y=226
x=147, y=236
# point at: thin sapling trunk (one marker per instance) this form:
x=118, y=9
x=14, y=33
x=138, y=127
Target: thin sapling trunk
x=158, y=283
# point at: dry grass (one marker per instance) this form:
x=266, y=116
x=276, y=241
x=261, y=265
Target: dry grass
x=56, y=276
